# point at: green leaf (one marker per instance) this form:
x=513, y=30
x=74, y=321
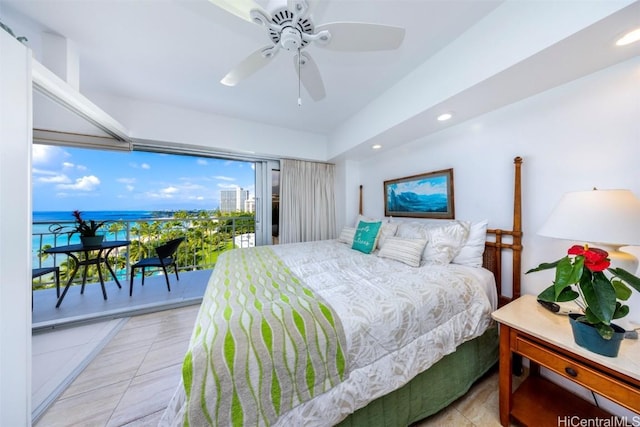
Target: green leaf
x=621, y=311
x=622, y=291
x=544, y=266
x=599, y=296
x=589, y=317
x=567, y=274
x=629, y=278
x=605, y=331
x=548, y=294
x=567, y=294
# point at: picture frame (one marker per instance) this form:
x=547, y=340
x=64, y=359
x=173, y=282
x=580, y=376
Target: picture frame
x=428, y=195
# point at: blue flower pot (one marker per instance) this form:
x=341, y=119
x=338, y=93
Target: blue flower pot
x=91, y=241
x=587, y=336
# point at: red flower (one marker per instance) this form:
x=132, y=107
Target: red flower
x=595, y=259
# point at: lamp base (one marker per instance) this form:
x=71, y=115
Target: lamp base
x=621, y=259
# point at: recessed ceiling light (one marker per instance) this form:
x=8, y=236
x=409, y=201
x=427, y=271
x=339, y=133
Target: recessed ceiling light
x=630, y=37
x=444, y=117
x=376, y=146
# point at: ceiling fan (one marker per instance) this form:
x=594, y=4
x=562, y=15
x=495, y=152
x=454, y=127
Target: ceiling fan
x=290, y=27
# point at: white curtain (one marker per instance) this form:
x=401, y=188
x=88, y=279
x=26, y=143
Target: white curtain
x=307, y=201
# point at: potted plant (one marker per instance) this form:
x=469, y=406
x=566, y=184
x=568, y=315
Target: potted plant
x=599, y=296
x=88, y=230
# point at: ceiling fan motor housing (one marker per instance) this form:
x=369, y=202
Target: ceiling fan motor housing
x=290, y=37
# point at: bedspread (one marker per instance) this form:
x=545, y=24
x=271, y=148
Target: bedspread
x=263, y=344
x=398, y=321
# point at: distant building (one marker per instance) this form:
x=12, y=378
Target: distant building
x=234, y=200
x=250, y=204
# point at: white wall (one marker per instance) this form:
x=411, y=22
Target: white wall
x=164, y=123
x=15, y=232
x=574, y=137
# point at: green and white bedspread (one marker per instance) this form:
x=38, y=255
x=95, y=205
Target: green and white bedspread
x=263, y=343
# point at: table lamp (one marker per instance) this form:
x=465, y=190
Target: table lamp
x=607, y=219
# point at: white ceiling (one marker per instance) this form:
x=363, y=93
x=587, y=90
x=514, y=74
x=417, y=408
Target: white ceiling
x=175, y=52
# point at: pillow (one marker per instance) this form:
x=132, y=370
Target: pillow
x=346, y=235
x=471, y=253
x=411, y=230
x=366, y=236
x=365, y=219
x=408, y=251
x=445, y=242
x=387, y=230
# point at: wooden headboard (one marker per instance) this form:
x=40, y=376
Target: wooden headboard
x=500, y=241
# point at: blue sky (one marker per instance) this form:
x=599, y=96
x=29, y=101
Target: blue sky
x=65, y=179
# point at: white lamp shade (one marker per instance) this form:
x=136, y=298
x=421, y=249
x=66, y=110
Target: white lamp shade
x=597, y=216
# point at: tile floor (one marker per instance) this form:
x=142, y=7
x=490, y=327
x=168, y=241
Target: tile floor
x=134, y=375
x=79, y=308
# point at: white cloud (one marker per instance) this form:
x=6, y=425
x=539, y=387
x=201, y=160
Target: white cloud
x=45, y=154
x=169, y=190
x=54, y=178
x=202, y=162
x=126, y=180
x=140, y=166
x=224, y=178
x=86, y=183
x=227, y=186
x=67, y=165
x=130, y=187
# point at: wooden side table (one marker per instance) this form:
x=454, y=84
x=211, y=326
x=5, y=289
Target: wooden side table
x=528, y=329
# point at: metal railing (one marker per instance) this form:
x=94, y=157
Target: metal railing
x=206, y=238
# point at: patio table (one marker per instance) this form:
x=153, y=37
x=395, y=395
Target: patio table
x=93, y=255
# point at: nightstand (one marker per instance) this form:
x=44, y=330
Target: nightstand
x=531, y=331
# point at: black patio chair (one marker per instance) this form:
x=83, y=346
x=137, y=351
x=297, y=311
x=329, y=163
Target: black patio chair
x=37, y=272
x=165, y=258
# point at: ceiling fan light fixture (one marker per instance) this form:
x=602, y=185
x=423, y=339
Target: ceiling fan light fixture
x=444, y=117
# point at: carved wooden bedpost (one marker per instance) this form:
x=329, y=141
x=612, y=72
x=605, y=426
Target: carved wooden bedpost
x=517, y=227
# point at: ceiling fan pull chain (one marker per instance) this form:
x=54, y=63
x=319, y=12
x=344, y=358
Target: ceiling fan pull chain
x=299, y=98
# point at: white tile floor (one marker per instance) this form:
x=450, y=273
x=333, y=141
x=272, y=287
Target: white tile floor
x=131, y=379
x=79, y=308
x=59, y=356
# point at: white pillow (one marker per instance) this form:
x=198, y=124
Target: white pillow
x=471, y=253
x=387, y=230
x=445, y=242
x=412, y=230
x=408, y=251
x=346, y=235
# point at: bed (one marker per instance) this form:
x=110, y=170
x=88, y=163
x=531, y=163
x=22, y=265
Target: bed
x=321, y=334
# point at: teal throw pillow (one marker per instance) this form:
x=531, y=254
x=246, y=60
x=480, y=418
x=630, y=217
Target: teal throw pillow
x=366, y=236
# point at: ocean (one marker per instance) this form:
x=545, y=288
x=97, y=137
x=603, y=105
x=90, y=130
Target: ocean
x=44, y=220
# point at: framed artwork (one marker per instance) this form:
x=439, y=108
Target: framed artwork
x=429, y=195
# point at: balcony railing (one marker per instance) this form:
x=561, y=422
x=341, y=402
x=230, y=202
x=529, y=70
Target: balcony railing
x=206, y=238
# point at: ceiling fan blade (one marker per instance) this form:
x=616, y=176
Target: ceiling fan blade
x=361, y=36
x=249, y=65
x=309, y=75
x=240, y=8
x=317, y=9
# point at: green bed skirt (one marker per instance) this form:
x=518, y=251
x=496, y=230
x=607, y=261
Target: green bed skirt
x=434, y=389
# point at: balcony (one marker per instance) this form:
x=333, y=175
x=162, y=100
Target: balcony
x=207, y=237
